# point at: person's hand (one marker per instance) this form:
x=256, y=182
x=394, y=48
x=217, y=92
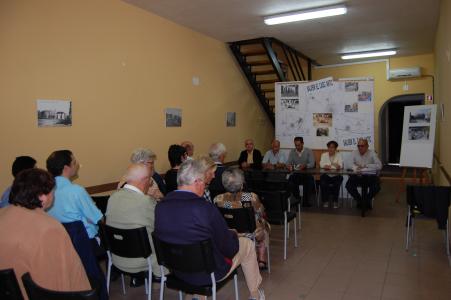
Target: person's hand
x=244, y=165
x=337, y=166
x=327, y=167
x=302, y=167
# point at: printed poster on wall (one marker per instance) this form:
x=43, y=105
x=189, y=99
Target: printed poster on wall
x=325, y=110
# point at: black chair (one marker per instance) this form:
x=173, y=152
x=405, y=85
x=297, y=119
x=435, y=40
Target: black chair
x=9, y=287
x=189, y=258
x=36, y=292
x=129, y=243
x=255, y=180
x=243, y=221
x=428, y=201
x=276, y=207
x=101, y=202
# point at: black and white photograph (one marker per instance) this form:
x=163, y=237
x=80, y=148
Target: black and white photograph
x=54, y=113
x=289, y=90
x=173, y=117
x=289, y=103
x=351, y=86
x=365, y=96
x=421, y=115
x=322, y=131
x=419, y=133
x=231, y=119
x=354, y=107
x=322, y=119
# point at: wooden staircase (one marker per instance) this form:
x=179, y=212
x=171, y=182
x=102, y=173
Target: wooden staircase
x=266, y=61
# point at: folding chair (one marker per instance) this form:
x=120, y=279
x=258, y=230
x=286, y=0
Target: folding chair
x=36, y=292
x=428, y=201
x=9, y=286
x=128, y=243
x=243, y=221
x=276, y=207
x=189, y=258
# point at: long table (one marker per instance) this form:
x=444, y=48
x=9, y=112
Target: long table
x=282, y=175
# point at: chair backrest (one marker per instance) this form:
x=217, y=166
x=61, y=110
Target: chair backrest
x=274, y=201
x=9, y=287
x=36, y=292
x=101, y=202
x=241, y=219
x=130, y=243
x=188, y=258
x=254, y=179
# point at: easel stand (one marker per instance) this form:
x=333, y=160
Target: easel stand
x=420, y=176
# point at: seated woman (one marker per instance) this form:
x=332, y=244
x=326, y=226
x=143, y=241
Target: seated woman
x=176, y=155
x=233, y=181
x=330, y=183
x=209, y=167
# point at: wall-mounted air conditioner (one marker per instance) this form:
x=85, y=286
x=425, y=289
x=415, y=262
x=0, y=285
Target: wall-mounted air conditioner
x=403, y=73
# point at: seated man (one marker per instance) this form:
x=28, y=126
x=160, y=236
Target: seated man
x=20, y=163
x=189, y=149
x=198, y=220
x=132, y=207
x=330, y=183
x=366, y=162
x=250, y=157
x=34, y=242
x=301, y=158
x=217, y=152
x=274, y=158
x=176, y=155
x=72, y=202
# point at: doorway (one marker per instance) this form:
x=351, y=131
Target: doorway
x=391, y=120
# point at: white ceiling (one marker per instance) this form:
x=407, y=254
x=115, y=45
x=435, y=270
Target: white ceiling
x=407, y=25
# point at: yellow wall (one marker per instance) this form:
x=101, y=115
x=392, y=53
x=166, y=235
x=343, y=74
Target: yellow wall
x=443, y=87
x=384, y=89
x=121, y=67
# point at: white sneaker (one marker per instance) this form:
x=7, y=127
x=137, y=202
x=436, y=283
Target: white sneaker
x=261, y=295
x=326, y=204
x=336, y=205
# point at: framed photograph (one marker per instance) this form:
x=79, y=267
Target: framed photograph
x=173, y=117
x=421, y=115
x=54, y=113
x=231, y=119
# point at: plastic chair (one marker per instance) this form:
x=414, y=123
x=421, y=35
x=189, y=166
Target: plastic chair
x=243, y=221
x=129, y=243
x=36, y=292
x=9, y=286
x=189, y=258
x=276, y=207
x=428, y=202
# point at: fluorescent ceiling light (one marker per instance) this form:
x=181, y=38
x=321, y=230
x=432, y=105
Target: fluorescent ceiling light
x=369, y=54
x=306, y=15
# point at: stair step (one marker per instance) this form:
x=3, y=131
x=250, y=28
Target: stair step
x=253, y=52
x=264, y=81
x=263, y=72
x=268, y=90
x=259, y=63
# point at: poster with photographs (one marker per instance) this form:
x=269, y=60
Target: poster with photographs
x=230, y=119
x=54, y=113
x=324, y=110
x=173, y=117
x=418, y=136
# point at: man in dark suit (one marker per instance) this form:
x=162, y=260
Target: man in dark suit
x=250, y=157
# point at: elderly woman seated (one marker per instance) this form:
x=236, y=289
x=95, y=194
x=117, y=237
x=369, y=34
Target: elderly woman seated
x=233, y=181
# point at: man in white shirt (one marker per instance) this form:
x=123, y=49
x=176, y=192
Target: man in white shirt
x=274, y=158
x=366, y=162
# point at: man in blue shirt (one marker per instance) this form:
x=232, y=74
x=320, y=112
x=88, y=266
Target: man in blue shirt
x=72, y=202
x=20, y=163
x=274, y=158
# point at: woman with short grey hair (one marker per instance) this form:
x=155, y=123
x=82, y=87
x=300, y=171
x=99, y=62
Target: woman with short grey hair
x=235, y=197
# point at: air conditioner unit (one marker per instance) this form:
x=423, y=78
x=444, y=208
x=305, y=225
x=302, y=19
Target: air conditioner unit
x=402, y=73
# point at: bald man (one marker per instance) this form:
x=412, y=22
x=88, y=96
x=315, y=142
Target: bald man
x=250, y=157
x=274, y=158
x=131, y=207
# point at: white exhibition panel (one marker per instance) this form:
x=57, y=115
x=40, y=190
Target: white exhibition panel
x=325, y=110
x=418, y=136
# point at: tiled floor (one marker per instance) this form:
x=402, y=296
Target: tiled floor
x=343, y=256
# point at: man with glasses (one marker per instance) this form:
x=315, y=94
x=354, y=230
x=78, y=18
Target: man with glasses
x=364, y=161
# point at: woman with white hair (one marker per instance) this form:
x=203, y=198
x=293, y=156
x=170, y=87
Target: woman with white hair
x=147, y=157
x=233, y=181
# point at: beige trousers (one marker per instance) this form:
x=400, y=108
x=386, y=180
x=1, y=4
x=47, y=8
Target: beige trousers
x=247, y=258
